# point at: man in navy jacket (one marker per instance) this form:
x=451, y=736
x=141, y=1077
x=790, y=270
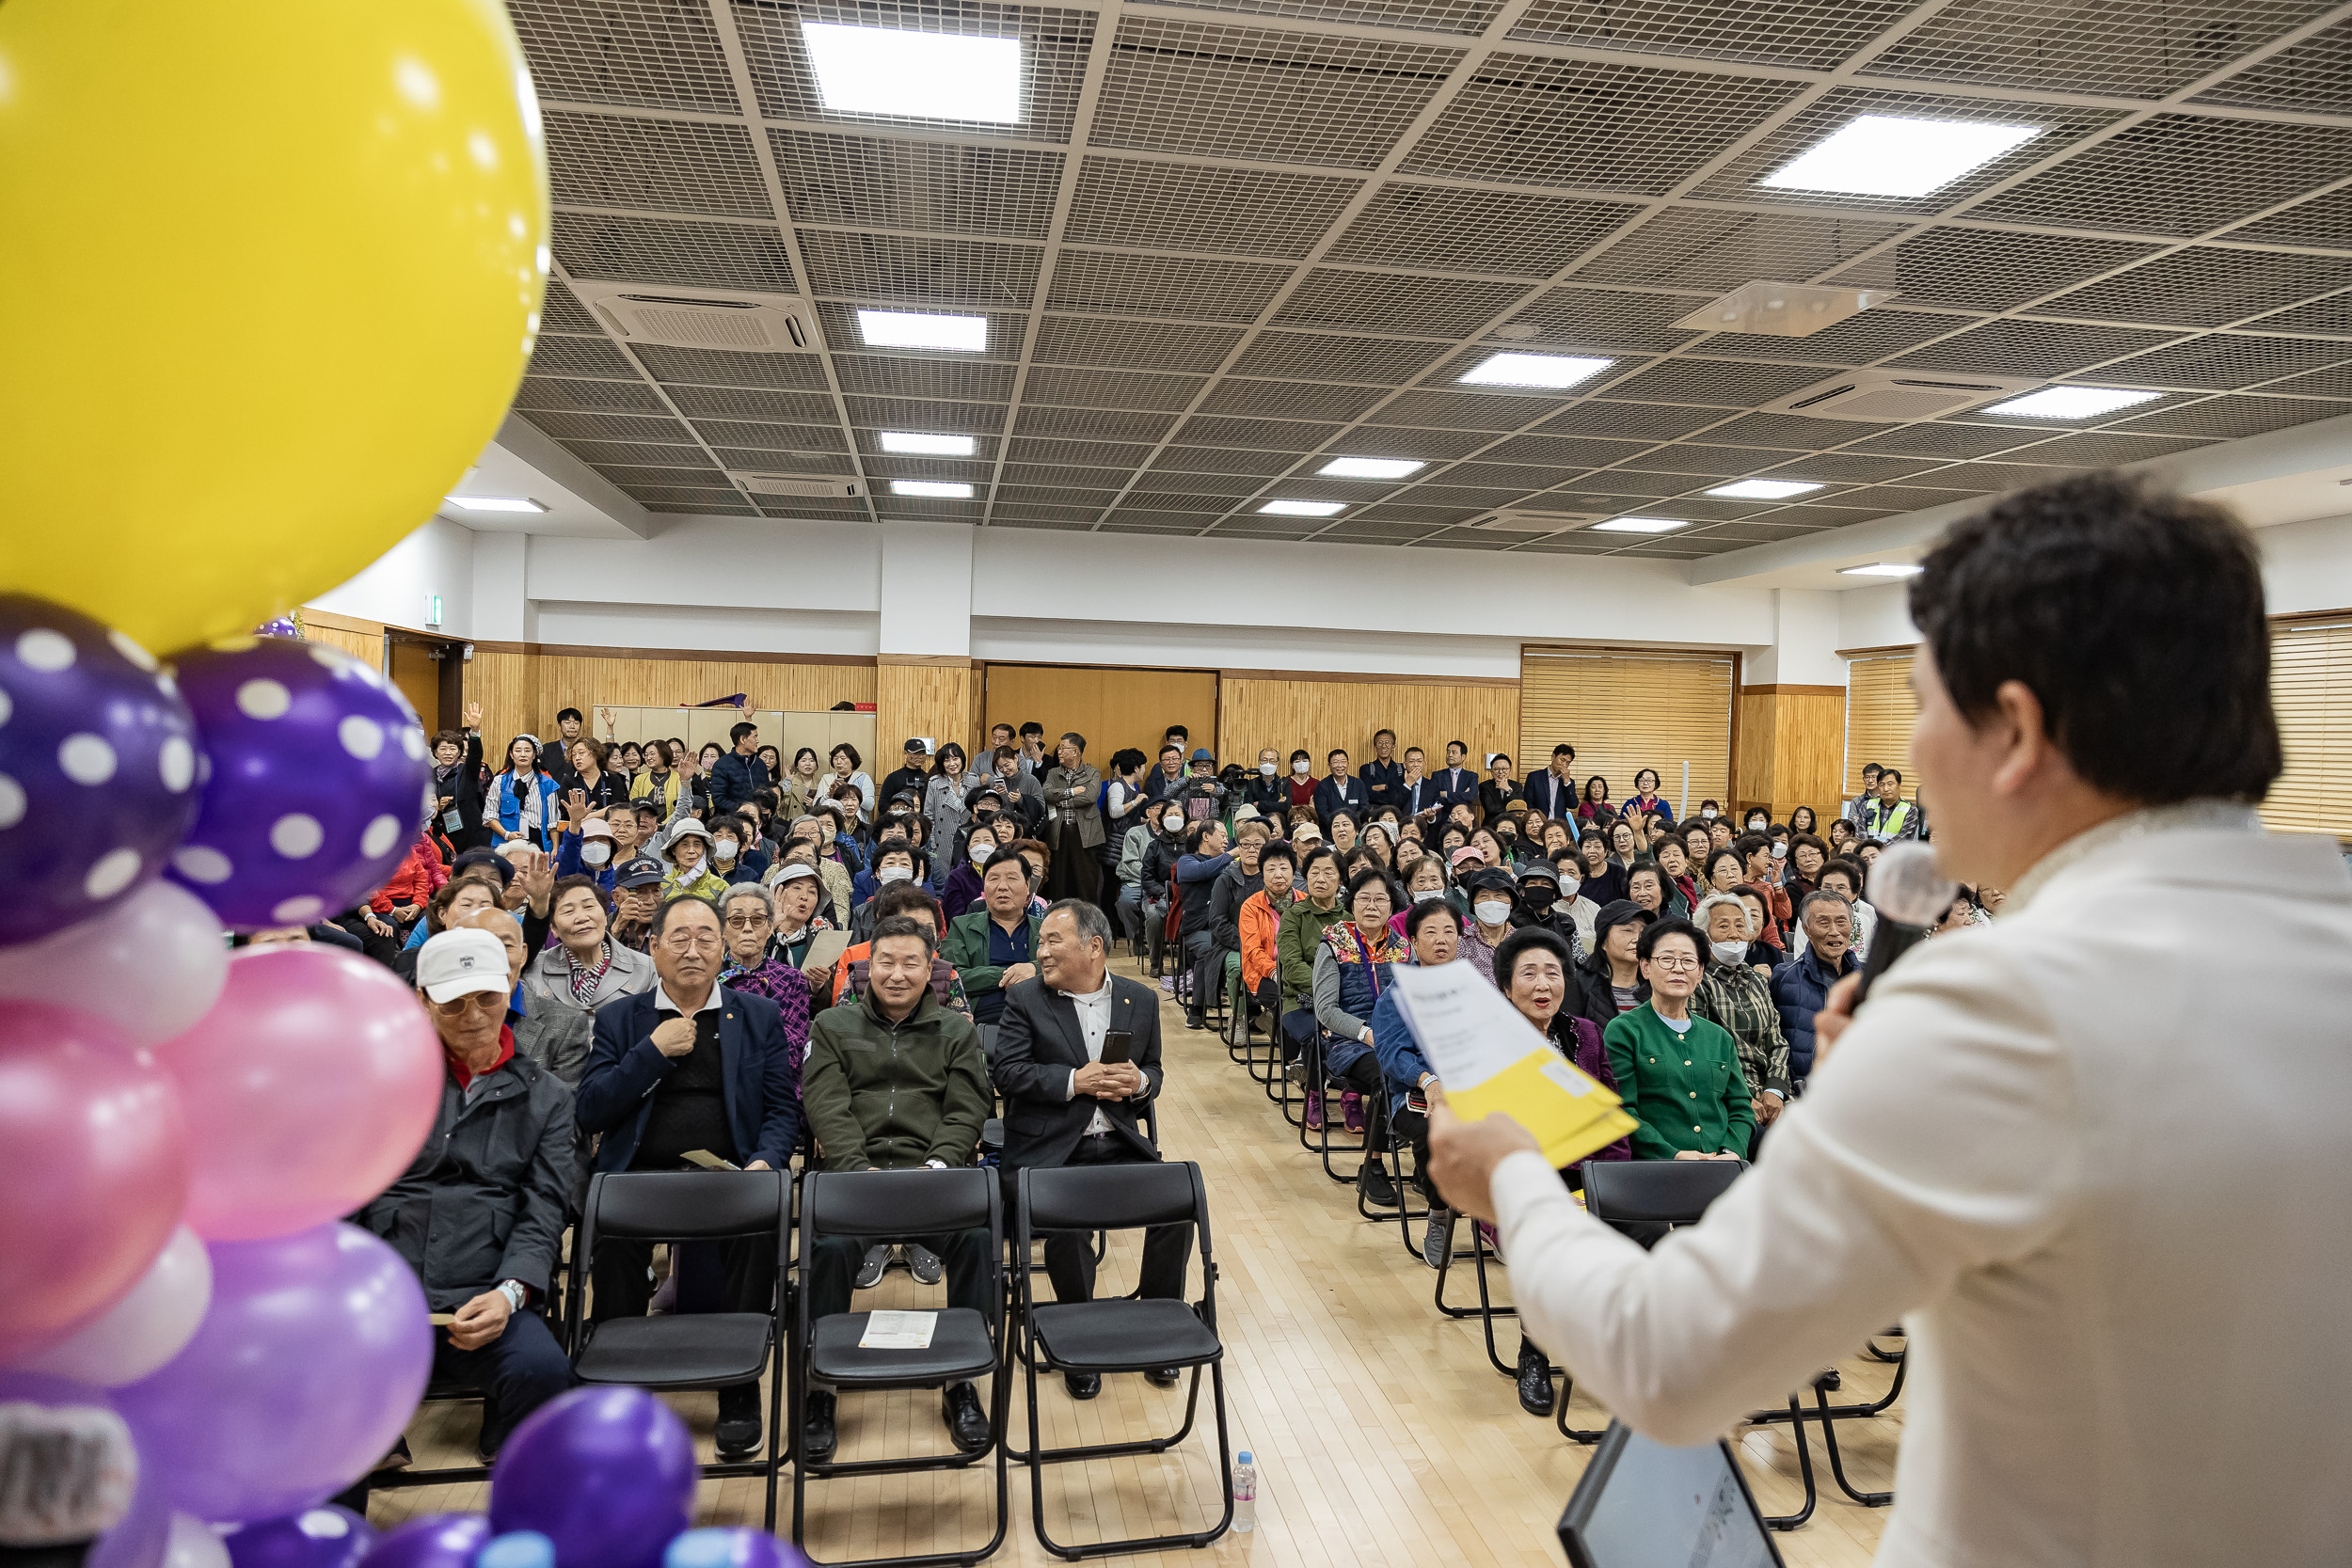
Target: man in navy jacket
x=739, y=775
x=1456, y=785
x=1339, y=791
x=687, y=1067
x=1552, y=792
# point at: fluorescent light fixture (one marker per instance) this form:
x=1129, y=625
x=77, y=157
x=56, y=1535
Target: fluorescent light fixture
x=2070, y=403
x=1640, y=525
x=911, y=329
x=1303, y=509
x=1763, y=489
x=1881, y=569
x=1549, y=370
x=494, y=503
x=1893, y=156
x=925, y=446
x=936, y=490
x=1372, y=468
x=890, y=70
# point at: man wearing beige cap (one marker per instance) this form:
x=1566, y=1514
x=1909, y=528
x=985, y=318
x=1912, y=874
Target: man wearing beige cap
x=497, y=1164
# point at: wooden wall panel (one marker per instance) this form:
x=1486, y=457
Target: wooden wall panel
x=925, y=697
x=1111, y=707
x=1319, y=713
x=418, y=675
x=587, y=682
x=500, y=680
x=1791, y=739
x=362, y=639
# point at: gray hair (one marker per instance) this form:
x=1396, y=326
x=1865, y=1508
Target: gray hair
x=1826, y=896
x=1089, y=919
x=747, y=890
x=1719, y=900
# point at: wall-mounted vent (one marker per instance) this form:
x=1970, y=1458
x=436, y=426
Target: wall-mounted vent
x=1534, y=522
x=1897, y=396
x=809, y=486
x=699, y=318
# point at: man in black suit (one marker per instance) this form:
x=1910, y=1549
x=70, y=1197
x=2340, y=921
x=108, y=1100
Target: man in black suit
x=1064, y=1105
x=687, y=1067
x=1552, y=792
x=1456, y=785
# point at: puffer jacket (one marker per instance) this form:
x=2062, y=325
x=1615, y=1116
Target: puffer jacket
x=1349, y=981
x=885, y=1096
x=416, y=880
x=1800, y=986
x=485, y=1199
x=1261, y=925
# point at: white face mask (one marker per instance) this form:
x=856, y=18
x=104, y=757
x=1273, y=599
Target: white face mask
x=1569, y=888
x=1265, y=769
x=893, y=874
x=981, y=854
x=1172, y=824
x=1758, y=827
x=1491, y=911
x=1729, y=952
x=1300, y=768
x=1708, y=814
x=595, y=853
x=1428, y=894
x=724, y=849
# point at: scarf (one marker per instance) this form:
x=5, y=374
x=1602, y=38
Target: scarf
x=1350, y=946
x=586, y=980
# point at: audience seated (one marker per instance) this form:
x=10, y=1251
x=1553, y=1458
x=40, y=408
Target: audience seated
x=1295, y=943
x=1203, y=864
x=1493, y=898
x=1339, y=791
x=585, y=967
x=747, y=916
x=1351, y=971
x=1679, y=1074
x=901, y=900
x=478, y=1214
x=691, y=1068
x=1801, y=985
x=1736, y=996
x=1065, y=1105
x=994, y=948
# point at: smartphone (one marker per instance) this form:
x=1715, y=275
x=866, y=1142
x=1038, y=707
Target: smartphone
x=707, y=1161
x=1116, y=1046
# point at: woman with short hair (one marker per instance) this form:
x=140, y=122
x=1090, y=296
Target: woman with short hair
x=1352, y=962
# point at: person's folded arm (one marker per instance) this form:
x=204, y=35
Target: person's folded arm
x=621, y=1071
x=1941, y=1140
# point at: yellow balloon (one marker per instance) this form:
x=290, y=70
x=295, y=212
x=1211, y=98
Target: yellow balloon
x=269, y=273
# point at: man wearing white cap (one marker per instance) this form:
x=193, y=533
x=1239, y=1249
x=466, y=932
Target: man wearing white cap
x=497, y=1164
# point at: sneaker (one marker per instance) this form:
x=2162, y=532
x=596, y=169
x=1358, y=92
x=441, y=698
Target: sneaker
x=869, y=1273
x=1373, y=1181
x=1436, y=1241
x=924, y=1264
x=1314, y=1107
x=1295, y=1070
x=1494, y=1242
x=1352, y=1111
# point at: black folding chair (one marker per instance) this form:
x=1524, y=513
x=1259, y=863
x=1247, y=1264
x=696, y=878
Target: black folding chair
x=1629, y=1193
x=966, y=1345
x=1485, y=1311
x=1125, y=1334
x=696, y=1350
x=439, y=1391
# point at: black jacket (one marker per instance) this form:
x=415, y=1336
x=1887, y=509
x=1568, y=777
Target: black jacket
x=1233, y=889
x=1039, y=1045
x=484, y=1200
x=464, y=788
x=1596, y=998
x=734, y=779
x=625, y=1066
x=1272, y=797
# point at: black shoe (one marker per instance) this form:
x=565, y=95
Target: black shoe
x=967, y=1423
x=493, y=1434
x=1165, y=1377
x=1082, y=1386
x=1534, y=1381
x=739, y=1421
x=817, y=1433
x=1194, y=1020
x=1373, y=1181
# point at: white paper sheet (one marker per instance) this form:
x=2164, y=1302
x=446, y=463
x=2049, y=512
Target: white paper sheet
x=1465, y=1027
x=898, y=1330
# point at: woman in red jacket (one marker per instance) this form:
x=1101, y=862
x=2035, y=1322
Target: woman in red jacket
x=419, y=876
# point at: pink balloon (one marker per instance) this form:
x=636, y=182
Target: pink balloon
x=310, y=1085
x=151, y=965
x=93, y=1170
x=145, y=1330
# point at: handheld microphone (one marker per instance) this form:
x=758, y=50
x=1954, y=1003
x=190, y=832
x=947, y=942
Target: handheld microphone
x=1911, y=897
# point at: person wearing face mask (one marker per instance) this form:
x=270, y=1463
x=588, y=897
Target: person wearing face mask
x=1264, y=789
x=1540, y=903
x=1734, y=996
x=895, y=865
x=731, y=861
x=1157, y=878
x=1493, y=899
x=964, y=883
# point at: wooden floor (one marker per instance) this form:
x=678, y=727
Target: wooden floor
x=1382, y=1434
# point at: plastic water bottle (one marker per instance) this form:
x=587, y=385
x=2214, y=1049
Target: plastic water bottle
x=1244, y=1494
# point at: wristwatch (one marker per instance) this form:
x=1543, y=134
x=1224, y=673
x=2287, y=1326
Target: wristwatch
x=515, y=1295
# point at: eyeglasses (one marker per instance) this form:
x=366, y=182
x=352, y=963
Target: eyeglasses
x=479, y=1001
x=687, y=941
x=746, y=922
x=1676, y=960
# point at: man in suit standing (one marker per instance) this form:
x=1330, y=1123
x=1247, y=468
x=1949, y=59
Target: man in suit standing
x=689, y=1066
x=1064, y=1105
x=1456, y=785
x=1552, y=792
x=1339, y=792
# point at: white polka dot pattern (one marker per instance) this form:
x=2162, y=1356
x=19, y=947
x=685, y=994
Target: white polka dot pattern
x=381, y=835
x=175, y=764
x=48, y=652
x=200, y=864
x=6, y=705
x=11, y=802
x=114, y=870
x=127, y=646
x=363, y=736
x=296, y=835
x=86, y=759
x=264, y=699
x=297, y=911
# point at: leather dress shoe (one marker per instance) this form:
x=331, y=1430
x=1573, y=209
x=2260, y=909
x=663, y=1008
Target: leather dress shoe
x=1534, y=1381
x=818, y=1438
x=967, y=1423
x=1083, y=1386
x=1165, y=1377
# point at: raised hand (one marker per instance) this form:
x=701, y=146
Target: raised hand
x=473, y=716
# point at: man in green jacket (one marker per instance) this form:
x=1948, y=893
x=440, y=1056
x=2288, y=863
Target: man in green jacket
x=994, y=948
x=893, y=1082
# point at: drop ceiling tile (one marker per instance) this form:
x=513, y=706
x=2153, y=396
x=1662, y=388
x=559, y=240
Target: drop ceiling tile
x=2136, y=49
x=656, y=165
x=610, y=397
x=1393, y=302
x=1596, y=320
x=1333, y=357
x=1631, y=420
x=1445, y=410
x=1095, y=424
x=1133, y=345
x=2040, y=349
x=1236, y=461
x=2224, y=361
x=726, y=402
x=2230, y=418
x=1705, y=248
x=650, y=53
x=711, y=255
x=1386, y=441
x=885, y=182
x=771, y=437
x=2180, y=175
x=1074, y=387
x=897, y=376
x=850, y=264
x=2204, y=286
x=1297, y=400
x=1731, y=383
x=1986, y=269
x=1510, y=233
x=1261, y=435
x=584, y=356
x=711, y=367
x=1230, y=212
x=1122, y=284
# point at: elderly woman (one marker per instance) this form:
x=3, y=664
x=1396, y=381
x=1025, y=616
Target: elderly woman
x=688, y=854
x=801, y=925
x=1351, y=971
x=1679, y=1074
x=1073, y=822
x=584, y=968
x=1733, y=995
x=747, y=919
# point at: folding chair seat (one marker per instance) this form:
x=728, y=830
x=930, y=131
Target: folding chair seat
x=966, y=1344
x=1123, y=1333
x=696, y=1350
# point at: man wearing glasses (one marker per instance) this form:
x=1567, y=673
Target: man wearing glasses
x=690, y=1067
x=499, y=1164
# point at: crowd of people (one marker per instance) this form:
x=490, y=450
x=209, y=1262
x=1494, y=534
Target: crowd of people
x=674, y=957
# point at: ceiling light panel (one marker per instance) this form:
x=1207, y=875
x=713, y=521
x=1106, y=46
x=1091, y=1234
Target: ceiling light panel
x=1303, y=509
x=494, y=503
x=887, y=70
x=931, y=489
x=1555, y=370
x=1640, y=525
x=1764, y=489
x=1893, y=156
x=1881, y=569
x=913, y=329
x=1372, y=468
x=2068, y=402
x=927, y=446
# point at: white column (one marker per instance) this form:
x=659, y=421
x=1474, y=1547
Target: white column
x=927, y=589
x=1804, y=650
x=502, y=601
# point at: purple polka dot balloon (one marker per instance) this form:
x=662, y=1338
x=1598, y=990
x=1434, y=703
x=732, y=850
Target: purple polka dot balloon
x=98, y=767
x=317, y=783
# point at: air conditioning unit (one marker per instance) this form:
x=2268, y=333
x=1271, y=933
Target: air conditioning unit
x=808, y=486
x=699, y=318
x=1897, y=396
x=1534, y=522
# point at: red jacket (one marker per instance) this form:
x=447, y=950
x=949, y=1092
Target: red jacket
x=420, y=876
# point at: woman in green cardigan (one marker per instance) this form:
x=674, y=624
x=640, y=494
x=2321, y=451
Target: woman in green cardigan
x=1679, y=1075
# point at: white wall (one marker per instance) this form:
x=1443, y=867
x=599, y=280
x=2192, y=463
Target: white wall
x=2307, y=567
x=1876, y=617
x=747, y=563
x=1016, y=640
x=437, y=559
x=717, y=627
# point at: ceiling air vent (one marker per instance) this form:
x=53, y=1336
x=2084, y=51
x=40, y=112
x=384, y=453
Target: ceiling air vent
x=699, y=318
x=1534, y=522
x=1897, y=397
x=810, y=486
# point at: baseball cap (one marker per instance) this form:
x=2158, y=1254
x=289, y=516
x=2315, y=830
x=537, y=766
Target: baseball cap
x=916, y=743
x=793, y=869
x=458, y=962
x=1468, y=852
x=636, y=871
x=1247, y=813
x=500, y=864
x=595, y=827
x=1306, y=832
x=1543, y=870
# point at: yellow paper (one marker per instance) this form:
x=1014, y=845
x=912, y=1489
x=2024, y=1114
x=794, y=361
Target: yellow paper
x=1571, y=1113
